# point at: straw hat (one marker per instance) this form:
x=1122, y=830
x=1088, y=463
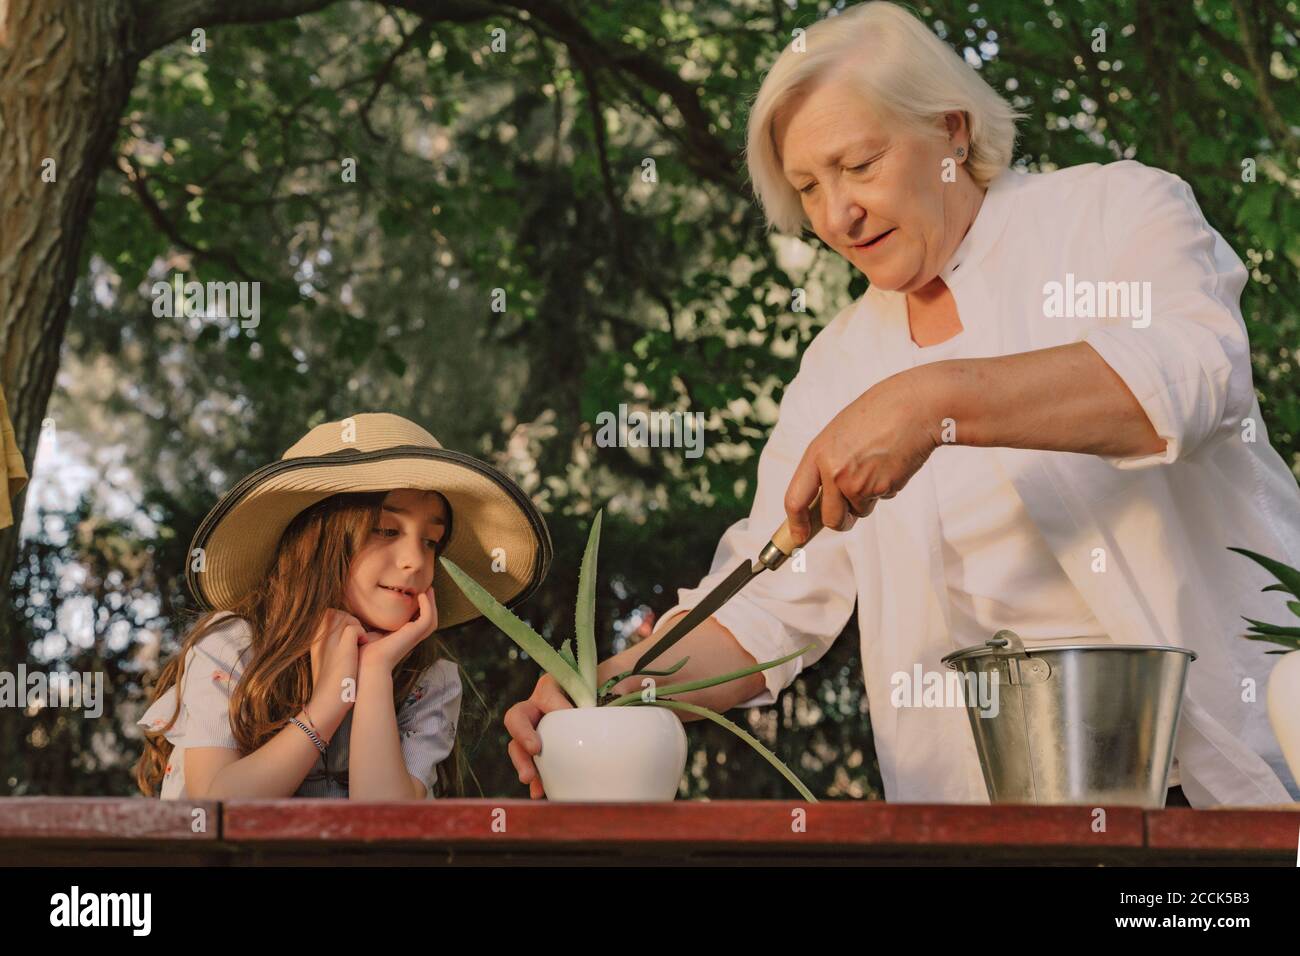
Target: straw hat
x=375, y=452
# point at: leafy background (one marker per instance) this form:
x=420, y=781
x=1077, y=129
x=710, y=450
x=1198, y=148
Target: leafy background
x=522, y=170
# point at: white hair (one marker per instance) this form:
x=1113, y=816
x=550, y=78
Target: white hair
x=902, y=69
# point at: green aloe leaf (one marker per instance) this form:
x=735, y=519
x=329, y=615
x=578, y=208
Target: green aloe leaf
x=1291, y=642
x=1288, y=576
x=586, y=611
x=566, y=651
x=1278, y=630
x=709, y=681
x=748, y=738
x=532, y=643
x=1294, y=606
x=672, y=670
x=605, y=687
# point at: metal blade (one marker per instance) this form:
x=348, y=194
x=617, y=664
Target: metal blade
x=702, y=611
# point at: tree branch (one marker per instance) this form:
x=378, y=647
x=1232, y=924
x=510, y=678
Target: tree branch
x=162, y=21
x=544, y=52
x=1256, y=48
x=169, y=228
x=416, y=37
x=712, y=156
x=704, y=151
x=602, y=152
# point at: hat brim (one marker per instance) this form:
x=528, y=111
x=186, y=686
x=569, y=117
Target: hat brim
x=498, y=536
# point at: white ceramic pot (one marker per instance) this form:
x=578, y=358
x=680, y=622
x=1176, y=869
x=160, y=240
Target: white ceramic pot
x=1284, y=708
x=599, y=754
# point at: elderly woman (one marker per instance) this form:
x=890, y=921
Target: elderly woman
x=1048, y=377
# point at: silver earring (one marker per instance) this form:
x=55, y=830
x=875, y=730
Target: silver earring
x=961, y=152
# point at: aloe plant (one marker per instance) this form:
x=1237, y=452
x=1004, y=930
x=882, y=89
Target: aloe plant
x=1288, y=582
x=577, y=675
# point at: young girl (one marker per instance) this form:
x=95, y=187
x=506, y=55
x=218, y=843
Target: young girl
x=312, y=674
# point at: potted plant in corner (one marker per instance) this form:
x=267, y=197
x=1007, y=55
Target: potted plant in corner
x=1284, y=680
x=628, y=747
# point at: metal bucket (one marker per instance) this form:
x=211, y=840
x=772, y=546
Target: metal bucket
x=1089, y=724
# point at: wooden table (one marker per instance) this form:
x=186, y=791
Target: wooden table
x=65, y=831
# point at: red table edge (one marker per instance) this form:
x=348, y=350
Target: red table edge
x=729, y=822
x=847, y=823
x=1179, y=828
x=96, y=818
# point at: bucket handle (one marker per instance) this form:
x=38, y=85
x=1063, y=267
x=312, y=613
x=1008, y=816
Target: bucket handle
x=1021, y=668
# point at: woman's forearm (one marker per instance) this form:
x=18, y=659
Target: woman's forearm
x=275, y=770
x=376, y=767
x=1064, y=398
x=712, y=650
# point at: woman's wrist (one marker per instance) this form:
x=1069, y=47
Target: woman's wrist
x=935, y=398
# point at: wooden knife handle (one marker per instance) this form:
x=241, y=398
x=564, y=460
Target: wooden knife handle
x=784, y=538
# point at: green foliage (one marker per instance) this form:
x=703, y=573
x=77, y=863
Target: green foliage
x=585, y=613
x=582, y=690
x=533, y=644
x=743, y=735
x=701, y=683
x=481, y=171
x=1288, y=582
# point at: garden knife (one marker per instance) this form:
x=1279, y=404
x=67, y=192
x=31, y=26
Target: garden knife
x=771, y=557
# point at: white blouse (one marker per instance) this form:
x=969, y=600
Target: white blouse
x=426, y=720
x=997, y=566
x=1160, y=523
x=998, y=569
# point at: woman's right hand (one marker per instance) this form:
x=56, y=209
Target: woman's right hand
x=521, y=721
x=334, y=664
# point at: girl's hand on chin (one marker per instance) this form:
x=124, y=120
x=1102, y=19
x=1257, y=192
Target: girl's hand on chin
x=376, y=649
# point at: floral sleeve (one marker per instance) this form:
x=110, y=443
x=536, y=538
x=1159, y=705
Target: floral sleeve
x=212, y=669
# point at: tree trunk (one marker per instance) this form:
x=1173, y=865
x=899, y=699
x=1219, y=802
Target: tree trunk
x=66, y=69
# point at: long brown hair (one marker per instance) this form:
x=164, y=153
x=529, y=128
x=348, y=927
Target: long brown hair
x=283, y=613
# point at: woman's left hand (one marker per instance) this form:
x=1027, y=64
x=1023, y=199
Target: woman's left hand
x=377, y=649
x=870, y=450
